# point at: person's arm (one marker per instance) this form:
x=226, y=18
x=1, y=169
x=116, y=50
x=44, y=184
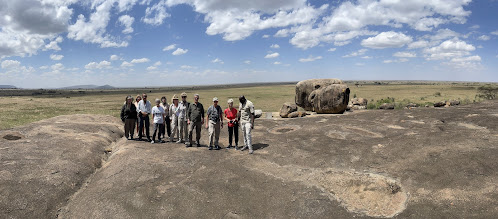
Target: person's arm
x=225, y=117
x=122, y=113
x=188, y=115
x=252, y=116
x=202, y=114
x=221, y=116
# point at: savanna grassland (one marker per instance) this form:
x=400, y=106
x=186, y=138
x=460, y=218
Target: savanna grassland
x=33, y=106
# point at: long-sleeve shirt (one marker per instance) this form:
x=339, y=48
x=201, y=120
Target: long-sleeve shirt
x=128, y=112
x=195, y=112
x=182, y=107
x=173, y=111
x=166, y=109
x=144, y=107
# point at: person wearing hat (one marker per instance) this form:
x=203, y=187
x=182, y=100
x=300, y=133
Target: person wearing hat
x=173, y=114
x=195, y=119
x=158, y=118
x=246, y=118
x=182, y=119
x=214, y=118
x=233, y=125
x=129, y=116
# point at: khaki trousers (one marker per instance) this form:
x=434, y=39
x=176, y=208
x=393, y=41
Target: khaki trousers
x=174, y=129
x=197, y=126
x=183, y=129
x=214, y=132
x=129, y=127
x=246, y=132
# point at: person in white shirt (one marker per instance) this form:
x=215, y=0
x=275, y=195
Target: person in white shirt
x=144, y=109
x=158, y=118
x=173, y=114
x=246, y=118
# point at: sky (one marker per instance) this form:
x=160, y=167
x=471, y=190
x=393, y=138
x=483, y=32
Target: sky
x=146, y=43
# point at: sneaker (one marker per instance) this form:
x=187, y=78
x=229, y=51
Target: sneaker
x=178, y=142
x=217, y=147
x=162, y=141
x=243, y=148
x=188, y=145
x=198, y=145
x=210, y=148
x=251, y=151
x=229, y=146
x=148, y=139
x=131, y=138
x=236, y=148
x=152, y=142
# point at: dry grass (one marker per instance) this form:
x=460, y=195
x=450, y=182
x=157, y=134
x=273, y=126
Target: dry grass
x=16, y=111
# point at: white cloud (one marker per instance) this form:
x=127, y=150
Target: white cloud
x=484, y=38
x=356, y=53
x=351, y=16
x=6, y=64
x=418, y=44
x=56, y=57
x=274, y=46
x=405, y=54
x=187, y=67
x=93, y=30
x=43, y=67
x=170, y=47
x=179, y=51
x=114, y=57
x=332, y=49
x=54, y=44
x=265, y=36
x=247, y=62
x=467, y=59
x=443, y=34
x=277, y=63
x=474, y=27
x=310, y=58
x=388, y=39
x=217, y=60
x=158, y=63
x=150, y=68
x=367, y=57
x=126, y=21
x=359, y=64
x=142, y=60
x=453, y=48
x=98, y=65
x=126, y=64
x=57, y=67
x=272, y=55
x=495, y=32
x=156, y=14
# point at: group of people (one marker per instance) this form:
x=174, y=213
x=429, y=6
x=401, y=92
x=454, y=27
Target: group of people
x=180, y=118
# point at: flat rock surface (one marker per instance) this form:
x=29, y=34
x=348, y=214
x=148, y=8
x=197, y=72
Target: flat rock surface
x=418, y=163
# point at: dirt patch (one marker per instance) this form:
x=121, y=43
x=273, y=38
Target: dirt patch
x=11, y=137
x=284, y=129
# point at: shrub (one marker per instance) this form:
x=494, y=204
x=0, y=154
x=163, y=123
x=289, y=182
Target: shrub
x=487, y=92
x=437, y=94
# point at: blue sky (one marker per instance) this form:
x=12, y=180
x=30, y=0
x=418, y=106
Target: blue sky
x=136, y=43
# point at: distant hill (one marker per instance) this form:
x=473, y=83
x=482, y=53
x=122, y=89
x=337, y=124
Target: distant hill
x=7, y=87
x=88, y=87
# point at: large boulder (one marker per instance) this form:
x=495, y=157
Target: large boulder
x=359, y=101
x=440, y=104
x=287, y=108
x=304, y=89
x=387, y=106
x=333, y=98
x=296, y=114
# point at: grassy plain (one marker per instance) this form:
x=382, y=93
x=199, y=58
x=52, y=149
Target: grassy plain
x=20, y=110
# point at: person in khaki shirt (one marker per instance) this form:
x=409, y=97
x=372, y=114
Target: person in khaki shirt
x=246, y=118
x=214, y=119
x=195, y=119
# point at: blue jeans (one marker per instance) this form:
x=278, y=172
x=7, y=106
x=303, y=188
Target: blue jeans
x=144, y=119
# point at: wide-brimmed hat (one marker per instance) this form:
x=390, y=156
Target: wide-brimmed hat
x=183, y=94
x=175, y=97
x=215, y=99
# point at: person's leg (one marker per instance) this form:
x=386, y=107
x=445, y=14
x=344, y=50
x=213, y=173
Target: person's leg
x=174, y=128
x=190, y=132
x=133, y=121
x=181, y=129
x=126, y=128
x=185, y=130
x=230, y=135
x=211, y=132
x=147, y=125
x=244, y=135
x=156, y=127
x=161, y=127
x=248, y=136
x=217, y=127
x=140, y=126
x=236, y=133
x=168, y=126
x=198, y=127
x=163, y=130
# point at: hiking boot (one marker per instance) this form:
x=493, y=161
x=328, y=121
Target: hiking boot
x=198, y=145
x=243, y=148
x=217, y=147
x=162, y=141
x=179, y=141
x=229, y=146
x=152, y=142
x=210, y=148
x=188, y=145
x=251, y=151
